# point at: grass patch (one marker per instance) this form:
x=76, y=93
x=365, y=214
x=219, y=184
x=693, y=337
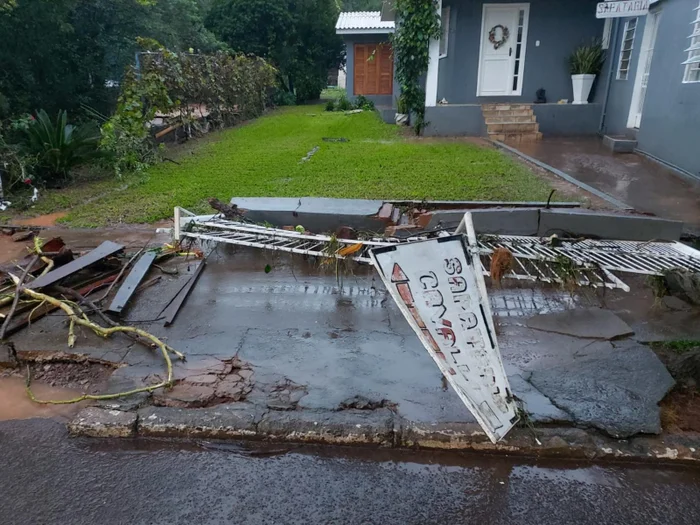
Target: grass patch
x=332, y=93
x=263, y=158
x=679, y=346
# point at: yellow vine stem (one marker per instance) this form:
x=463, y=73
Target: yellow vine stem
x=104, y=332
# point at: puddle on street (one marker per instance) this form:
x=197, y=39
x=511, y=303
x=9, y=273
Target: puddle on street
x=15, y=403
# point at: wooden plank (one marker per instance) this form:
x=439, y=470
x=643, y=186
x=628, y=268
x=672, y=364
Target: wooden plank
x=132, y=281
x=174, y=307
x=105, y=249
x=37, y=313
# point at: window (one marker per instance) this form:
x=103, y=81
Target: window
x=445, y=26
x=607, y=29
x=517, y=67
x=692, y=64
x=623, y=66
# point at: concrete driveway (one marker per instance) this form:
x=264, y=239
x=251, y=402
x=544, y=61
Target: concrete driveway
x=629, y=177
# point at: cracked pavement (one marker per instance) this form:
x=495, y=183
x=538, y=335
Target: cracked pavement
x=297, y=326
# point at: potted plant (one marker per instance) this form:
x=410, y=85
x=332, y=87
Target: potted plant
x=585, y=63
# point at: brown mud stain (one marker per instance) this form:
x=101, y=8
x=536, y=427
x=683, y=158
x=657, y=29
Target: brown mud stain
x=47, y=220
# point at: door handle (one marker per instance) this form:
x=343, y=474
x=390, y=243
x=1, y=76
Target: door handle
x=510, y=51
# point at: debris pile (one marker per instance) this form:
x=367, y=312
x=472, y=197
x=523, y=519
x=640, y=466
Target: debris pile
x=92, y=290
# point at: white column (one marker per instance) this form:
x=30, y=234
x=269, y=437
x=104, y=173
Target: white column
x=431, y=79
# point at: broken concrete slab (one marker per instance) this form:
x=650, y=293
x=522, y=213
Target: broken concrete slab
x=7, y=356
x=237, y=420
x=315, y=214
x=538, y=406
x=184, y=395
x=100, y=422
x=587, y=323
x=685, y=284
x=348, y=426
x=617, y=392
x=587, y=223
x=495, y=221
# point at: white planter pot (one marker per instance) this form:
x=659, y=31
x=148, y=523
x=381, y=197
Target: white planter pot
x=582, y=87
x=401, y=119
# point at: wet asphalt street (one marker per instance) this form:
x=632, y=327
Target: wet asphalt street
x=48, y=478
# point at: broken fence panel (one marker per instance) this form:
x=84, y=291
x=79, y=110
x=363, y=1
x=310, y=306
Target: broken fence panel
x=582, y=262
x=440, y=291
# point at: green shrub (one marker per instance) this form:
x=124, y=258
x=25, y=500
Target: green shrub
x=59, y=146
x=330, y=105
x=344, y=104
x=362, y=102
x=283, y=97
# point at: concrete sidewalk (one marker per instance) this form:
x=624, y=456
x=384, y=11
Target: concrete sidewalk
x=292, y=354
x=629, y=177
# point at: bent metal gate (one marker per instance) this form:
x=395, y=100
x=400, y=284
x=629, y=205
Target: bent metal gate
x=441, y=293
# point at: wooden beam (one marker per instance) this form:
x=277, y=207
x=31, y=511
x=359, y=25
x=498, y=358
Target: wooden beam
x=132, y=281
x=174, y=307
x=105, y=249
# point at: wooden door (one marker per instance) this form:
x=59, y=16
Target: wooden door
x=374, y=69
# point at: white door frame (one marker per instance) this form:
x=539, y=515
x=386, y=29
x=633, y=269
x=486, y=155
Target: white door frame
x=521, y=73
x=649, y=31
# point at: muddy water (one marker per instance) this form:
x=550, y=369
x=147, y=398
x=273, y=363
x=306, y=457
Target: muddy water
x=15, y=404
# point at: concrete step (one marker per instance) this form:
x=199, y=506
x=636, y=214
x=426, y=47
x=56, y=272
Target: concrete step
x=508, y=113
x=619, y=144
x=513, y=127
x=510, y=118
x=516, y=137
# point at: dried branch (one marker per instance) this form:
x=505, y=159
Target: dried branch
x=75, y=319
x=95, y=309
x=18, y=282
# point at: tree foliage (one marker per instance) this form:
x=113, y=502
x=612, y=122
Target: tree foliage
x=231, y=88
x=296, y=36
x=58, y=54
x=419, y=22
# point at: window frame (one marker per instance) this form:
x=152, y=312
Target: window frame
x=445, y=30
x=693, y=68
x=630, y=50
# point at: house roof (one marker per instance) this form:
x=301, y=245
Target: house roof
x=362, y=22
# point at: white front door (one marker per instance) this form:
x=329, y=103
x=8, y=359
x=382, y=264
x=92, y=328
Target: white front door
x=644, y=67
x=502, y=52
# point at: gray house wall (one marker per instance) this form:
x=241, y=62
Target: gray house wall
x=620, y=94
x=670, y=127
x=350, y=41
x=559, y=25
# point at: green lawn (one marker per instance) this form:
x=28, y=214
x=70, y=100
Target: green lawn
x=263, y=158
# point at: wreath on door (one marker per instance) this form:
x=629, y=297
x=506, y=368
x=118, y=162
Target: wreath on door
x=504, y=36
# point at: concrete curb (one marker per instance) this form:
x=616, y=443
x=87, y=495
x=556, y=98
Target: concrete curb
x=378, y=428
